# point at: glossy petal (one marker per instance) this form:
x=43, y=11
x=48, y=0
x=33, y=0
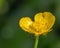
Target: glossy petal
x=46, y=21
x=49, y=19
x=24, y=23
x=38, y=17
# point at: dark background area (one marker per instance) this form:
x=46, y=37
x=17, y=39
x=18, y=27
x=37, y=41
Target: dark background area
x=12, y=36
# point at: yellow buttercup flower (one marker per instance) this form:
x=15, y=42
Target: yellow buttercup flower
x=41, y=25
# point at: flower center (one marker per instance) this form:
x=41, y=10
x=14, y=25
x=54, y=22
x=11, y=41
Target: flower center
x=38, y=27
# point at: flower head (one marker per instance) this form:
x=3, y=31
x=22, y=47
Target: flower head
x=42, y=23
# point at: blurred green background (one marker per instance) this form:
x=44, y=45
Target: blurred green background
x=12, y=36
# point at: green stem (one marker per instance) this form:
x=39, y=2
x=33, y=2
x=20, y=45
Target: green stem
x=36, y=42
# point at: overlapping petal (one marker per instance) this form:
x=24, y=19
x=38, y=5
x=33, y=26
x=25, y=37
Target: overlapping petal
x=38, y=17
x=24, y=23
x=46, y=21
x=49, y=18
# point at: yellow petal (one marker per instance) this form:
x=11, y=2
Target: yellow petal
x=38, y=17
x=24, y=23
x=46, y=21
x=49, y=18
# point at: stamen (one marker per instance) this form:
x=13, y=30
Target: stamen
x=38, y=27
